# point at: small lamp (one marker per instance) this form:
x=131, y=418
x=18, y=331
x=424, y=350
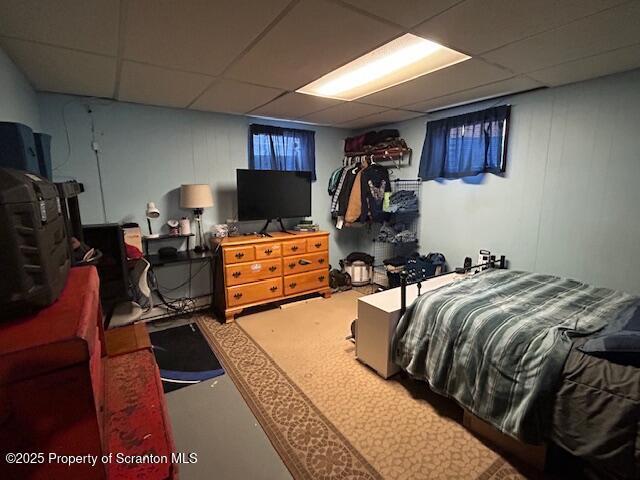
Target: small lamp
x=152, y=212
x=197, y=196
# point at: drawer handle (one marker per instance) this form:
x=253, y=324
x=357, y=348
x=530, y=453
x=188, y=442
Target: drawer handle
x=268, y=251
x=239, y=255
x=236, y=274
x=321, y=278
x=294, y=248
x=317, y=245
x=321, y=260
x=273, y=268
x=237, y=296
x=292, y=265
x=292, y=285
x=274, y=288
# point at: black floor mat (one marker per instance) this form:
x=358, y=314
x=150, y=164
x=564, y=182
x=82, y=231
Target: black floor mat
x=184, y=357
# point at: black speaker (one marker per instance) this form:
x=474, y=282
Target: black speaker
x=43, y=152
x=34, y=252
x=18, y=147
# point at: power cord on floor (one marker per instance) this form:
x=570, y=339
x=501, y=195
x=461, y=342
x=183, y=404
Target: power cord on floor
x=178, y=305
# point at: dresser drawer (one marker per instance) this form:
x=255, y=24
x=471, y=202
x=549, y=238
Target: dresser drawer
x=294, y=247
x=268, y=250
x=317, y=244
x=306, y=281
x=305, y=263
x=254, y=292
x=238, y=254
x=240, y=273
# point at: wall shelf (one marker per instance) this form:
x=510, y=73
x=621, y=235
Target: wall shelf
x=399, y=156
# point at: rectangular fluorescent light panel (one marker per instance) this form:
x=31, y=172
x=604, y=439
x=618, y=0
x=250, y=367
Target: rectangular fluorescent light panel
x=398, y=61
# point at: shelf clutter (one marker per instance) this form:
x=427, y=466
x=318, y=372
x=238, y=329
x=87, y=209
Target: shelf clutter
x=377, y=146
x=307, y=226
x=361, y=187
x=400, y=156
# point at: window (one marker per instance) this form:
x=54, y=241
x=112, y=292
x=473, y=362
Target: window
x=466, y=145
x=278, y=148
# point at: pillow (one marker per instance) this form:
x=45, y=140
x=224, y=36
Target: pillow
x=620, y=341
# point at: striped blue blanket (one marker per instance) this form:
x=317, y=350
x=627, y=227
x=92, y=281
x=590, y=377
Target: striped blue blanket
x=496, y=342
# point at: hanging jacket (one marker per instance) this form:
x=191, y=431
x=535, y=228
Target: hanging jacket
x=375, y=183
x=354, y=207
x=345, y=191
x=334, y=178
x=335, y=200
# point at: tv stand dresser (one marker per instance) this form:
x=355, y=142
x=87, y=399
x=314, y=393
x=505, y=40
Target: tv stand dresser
x=254, y=270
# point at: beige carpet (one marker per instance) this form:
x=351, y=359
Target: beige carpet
x=395, y=428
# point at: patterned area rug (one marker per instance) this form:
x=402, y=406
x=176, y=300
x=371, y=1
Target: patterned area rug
x=328, y=416
x=309, y=445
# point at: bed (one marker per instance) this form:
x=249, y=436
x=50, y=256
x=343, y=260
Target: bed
x=506, y=345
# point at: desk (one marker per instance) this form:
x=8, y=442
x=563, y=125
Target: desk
x=186, y=257
x=182, y=257
x=166, y=236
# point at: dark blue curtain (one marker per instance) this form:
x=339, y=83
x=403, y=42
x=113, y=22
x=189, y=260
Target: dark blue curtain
x=466, y=145
x=279, y=148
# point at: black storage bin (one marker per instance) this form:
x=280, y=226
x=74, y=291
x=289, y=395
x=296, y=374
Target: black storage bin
x=421, y=267
x=43, y=152
x=394, y=279
x=18, y=147
x=34, y=252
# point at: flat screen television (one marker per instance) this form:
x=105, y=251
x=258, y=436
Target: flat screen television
x=273, y=194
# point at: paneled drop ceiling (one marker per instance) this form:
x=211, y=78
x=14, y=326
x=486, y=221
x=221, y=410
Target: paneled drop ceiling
x=249, y=56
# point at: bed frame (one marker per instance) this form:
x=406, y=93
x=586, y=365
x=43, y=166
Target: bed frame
x=501, y=263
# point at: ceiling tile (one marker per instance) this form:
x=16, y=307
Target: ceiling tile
x=476, y=26
x=195, y=35
x=294, y=105
x=158, y=86
x=234, y=97
x=607, y=63
x=382, y=118
x=404, y=12
x=497, y=89
x=614, y=28
x=61, y=70
x=342, y=113
x=83, y=24
x=461, y=76
x=314, y=38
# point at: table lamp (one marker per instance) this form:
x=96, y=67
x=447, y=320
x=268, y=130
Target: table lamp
x=197, y=196
x=152, y=212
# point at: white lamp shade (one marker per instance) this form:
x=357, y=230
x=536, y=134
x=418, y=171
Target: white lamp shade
x=196, y=195
x=152, y=210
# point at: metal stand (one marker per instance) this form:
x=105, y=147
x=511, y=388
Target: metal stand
x=201, y=246
x=264, y=232
x=500, y=264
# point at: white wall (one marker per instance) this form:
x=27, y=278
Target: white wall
x=570, y=201
x=18, y=101
x=147, y=152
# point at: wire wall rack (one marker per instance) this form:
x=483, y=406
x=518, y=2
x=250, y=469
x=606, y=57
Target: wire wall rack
x=405, y=221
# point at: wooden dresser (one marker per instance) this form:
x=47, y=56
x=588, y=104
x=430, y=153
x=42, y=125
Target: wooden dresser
x=252, y=270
